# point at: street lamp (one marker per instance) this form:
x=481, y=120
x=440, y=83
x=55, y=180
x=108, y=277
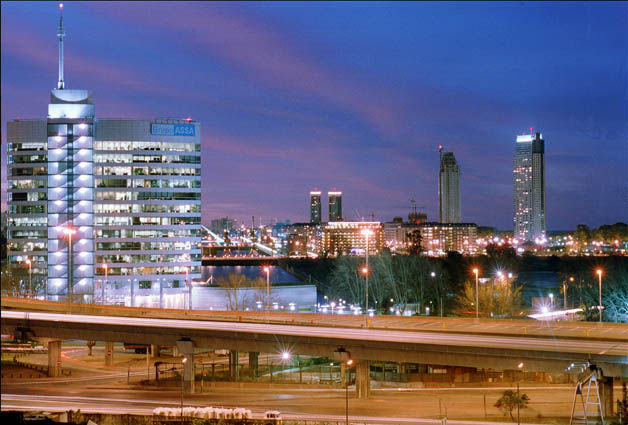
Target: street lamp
x=189, y=286
x=185, y=359
x=599, y=276
x=267, y=270
x=349, y=363
x=571, y=279
x=366, y=233
x=551, y=296
x=69, y=232
x=30, y=276
x=477, y=310
x=104, y=266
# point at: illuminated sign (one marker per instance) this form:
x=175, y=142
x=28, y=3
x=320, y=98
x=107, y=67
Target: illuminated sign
x=172, y=130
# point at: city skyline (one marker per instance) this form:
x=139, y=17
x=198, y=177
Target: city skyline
x=350, y=120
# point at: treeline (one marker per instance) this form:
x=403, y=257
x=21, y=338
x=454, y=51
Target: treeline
x=447, y=285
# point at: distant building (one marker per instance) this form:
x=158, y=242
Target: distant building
x=346, y=237
x=436, y=238
x=529, y=188
x=222, y=225
x=448, y=189
x=335, y=205
x=303, y=239
x=440, y=238
x=315, y=207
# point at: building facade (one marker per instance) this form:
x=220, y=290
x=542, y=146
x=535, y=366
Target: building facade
x=436, y=238
x=529, y=188
x=335, y=205
x=449, y=189
x=315, y=207
x=348, y=237
x=99, y=204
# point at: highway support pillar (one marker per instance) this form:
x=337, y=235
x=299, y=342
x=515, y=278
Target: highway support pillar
x=54, y=358
x=343, y=373
x=108, y=353
x=154, y=350
x=234, y=362
x=606, y=396
x=253, y=363
x=186, y=347
x=362, y=379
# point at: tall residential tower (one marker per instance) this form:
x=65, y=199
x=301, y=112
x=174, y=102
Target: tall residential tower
x=335, y=205
x=448, y=188
x=529, y=188
x=315, y=207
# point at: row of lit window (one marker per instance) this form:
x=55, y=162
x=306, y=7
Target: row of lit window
x=146, y=208
x=147, y=233
x=145, y=196
x=146, y=171
x=145, y=183
x=145, y=221
x=149, y=146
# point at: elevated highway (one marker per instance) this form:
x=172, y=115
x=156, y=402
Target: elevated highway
x=457, y=342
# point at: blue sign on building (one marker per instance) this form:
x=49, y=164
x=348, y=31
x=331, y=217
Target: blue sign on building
x=172, y=129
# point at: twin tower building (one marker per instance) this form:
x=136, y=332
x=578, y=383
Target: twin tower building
x=335, y=206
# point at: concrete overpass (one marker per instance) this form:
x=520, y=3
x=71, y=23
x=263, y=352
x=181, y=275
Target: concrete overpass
x=484, y=344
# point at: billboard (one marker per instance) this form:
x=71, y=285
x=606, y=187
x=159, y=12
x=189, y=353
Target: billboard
x=157, y=129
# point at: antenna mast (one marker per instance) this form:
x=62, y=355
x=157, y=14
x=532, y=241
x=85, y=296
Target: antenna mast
x=61, y=34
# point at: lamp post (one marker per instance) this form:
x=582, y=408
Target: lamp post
x=104, y=266
x=367, y=233
x=551, y=297
x=565, y=292
x=267, y=270
x=30, y=276
x=189, y=286
x=599, y=276
x=69, y=232
x=477, y=297
x=185, y=359
x=349, y=362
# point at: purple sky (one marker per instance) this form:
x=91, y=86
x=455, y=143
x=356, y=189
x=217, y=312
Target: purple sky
x=293, y=96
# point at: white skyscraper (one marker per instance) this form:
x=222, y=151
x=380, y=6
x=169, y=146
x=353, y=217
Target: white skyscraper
x=104, y=210
x=529, y=188
x=448, y=188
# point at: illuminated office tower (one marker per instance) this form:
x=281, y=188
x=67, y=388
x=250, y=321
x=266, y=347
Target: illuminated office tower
x=315, y=206
x=335, y=205
x=448, y=188
x=529, y=188
x=85, y=193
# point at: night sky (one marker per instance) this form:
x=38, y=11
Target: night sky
x=293, y=96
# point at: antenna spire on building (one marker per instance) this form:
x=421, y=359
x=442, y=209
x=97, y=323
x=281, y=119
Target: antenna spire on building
x=61, y=34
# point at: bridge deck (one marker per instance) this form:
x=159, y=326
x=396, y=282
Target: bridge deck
x=518, y=327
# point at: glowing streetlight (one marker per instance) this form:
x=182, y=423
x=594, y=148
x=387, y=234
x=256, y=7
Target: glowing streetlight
x=286, y=356
x=599, y=276
x=349, y=363
x=477, y=303
x=366, y=233
x=185, y=359
x=30, y=276
x=267, y=270
x=104, y=266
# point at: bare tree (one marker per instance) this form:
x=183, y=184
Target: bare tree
x=234, y=285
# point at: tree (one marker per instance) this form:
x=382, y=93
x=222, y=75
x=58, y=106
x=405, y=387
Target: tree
x=234, y=285
x=500, y=298
x=509, y=401
x=15, y=279
x=415, y=241
x=90, y=346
